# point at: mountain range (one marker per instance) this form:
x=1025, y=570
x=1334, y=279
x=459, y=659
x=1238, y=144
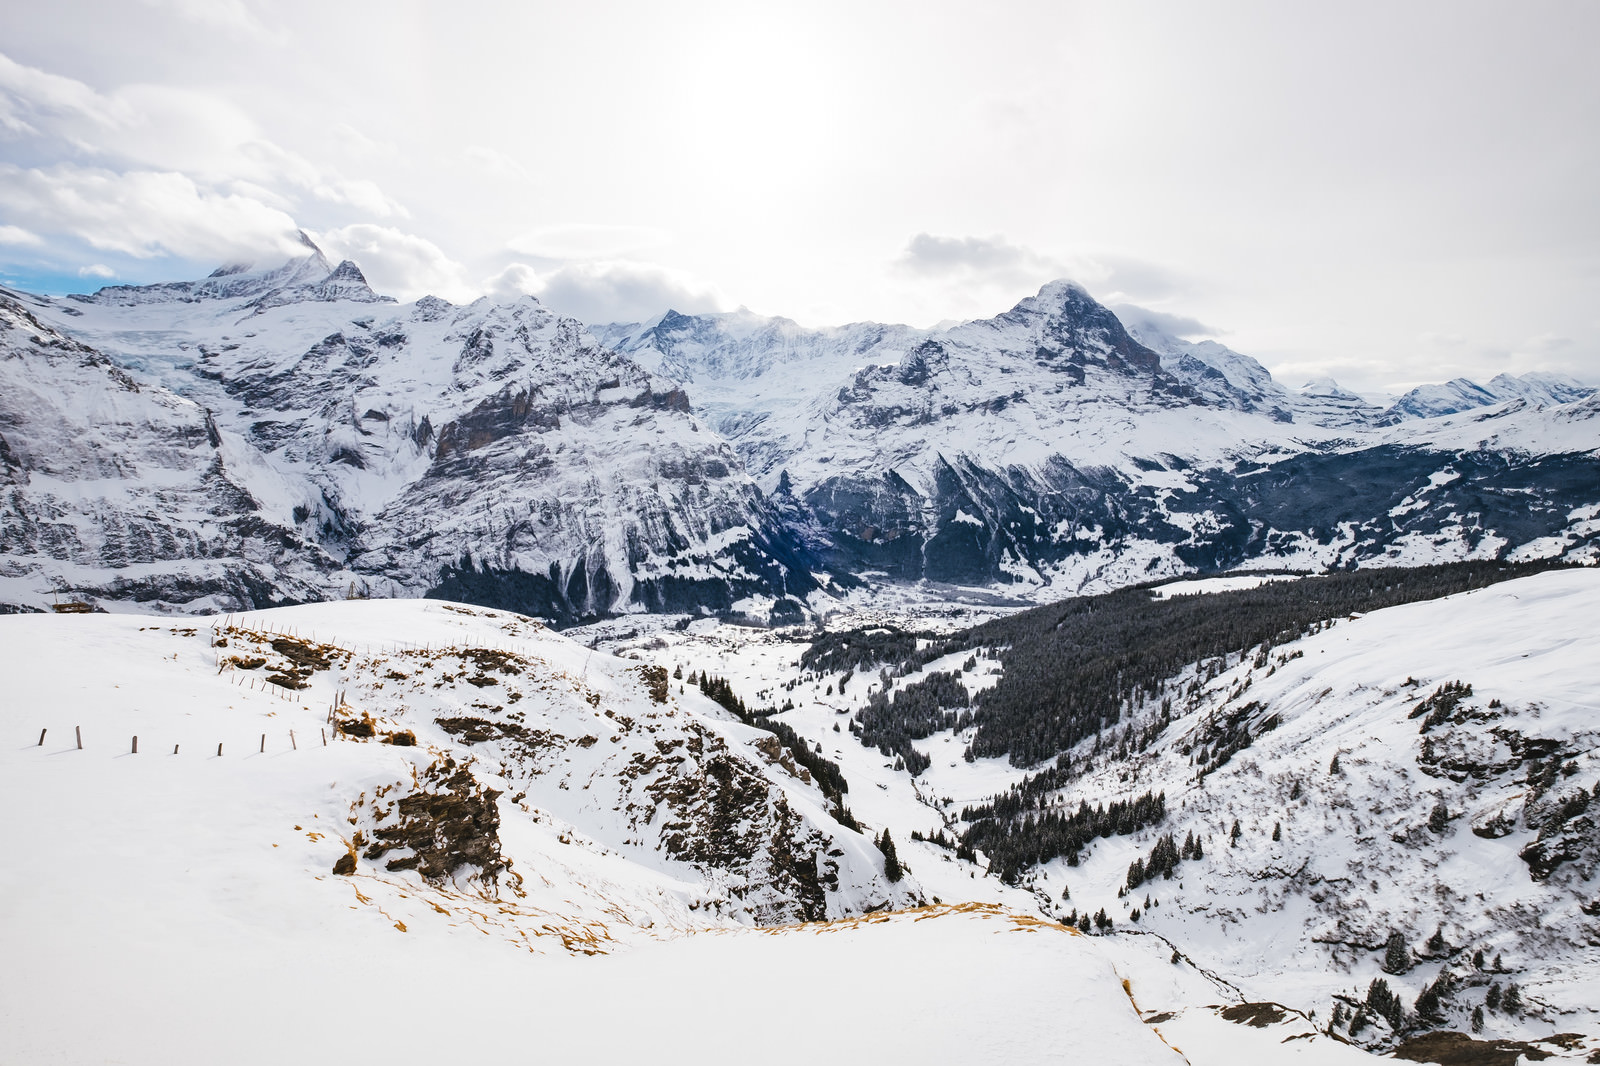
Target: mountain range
x=285, y=434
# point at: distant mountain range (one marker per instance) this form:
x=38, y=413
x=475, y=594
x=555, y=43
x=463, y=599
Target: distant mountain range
x=283, y=434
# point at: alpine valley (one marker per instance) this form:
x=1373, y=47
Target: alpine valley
x=385, y=680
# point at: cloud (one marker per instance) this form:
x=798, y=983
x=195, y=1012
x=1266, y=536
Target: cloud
x=587, y=241
x=1144, y=320
x=396, y=263
x=18, y=235
x=170, y=149
x=608, y=291
x=1545, y=342
x=492, y=161
x=363, y=195
x=143, y=214
x=992, y=259
x=996, y=263
x=96, y=270
x=231, y=15
x=32, y=101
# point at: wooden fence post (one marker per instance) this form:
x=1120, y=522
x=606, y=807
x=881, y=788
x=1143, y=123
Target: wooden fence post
x=42, y=732
x=263, y=743
x=174, y=749
x=78, y=729
x=292, y=744
x=135, y=745
x=324, y=738
x=219, y=749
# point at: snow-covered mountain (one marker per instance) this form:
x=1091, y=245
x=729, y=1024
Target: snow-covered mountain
x=492, y=453
x=1460, y=394
x=134, y=493
x=1047, y=451
x=501, y=454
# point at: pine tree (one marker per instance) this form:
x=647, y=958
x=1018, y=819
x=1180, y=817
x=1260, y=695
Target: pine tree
x=1235, y=833
x=891, y=862
x=1436, y=944
x=1511, y=1001
x=677, y=675
x=1492, y=998
x=1477, y=1019
x=1396, y=954
x=1333, y=767
x=1277, y=830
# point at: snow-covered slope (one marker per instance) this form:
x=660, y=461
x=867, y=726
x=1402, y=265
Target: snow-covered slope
x=1372, y=799
x=465, y=830
x=424, y=735
x=1469, y=815
x=492, y=453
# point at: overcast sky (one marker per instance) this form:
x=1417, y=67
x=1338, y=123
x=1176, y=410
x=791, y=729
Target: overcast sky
x=1388, y=193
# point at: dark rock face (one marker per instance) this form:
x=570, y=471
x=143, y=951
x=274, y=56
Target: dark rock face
x=449, y=822
x=977, y=524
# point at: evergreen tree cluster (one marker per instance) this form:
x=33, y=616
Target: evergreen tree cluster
x=1163, y=860
x=1072, y=669
x=854, y=649
x=1015, y=839
x=1396, y=954
x=891, y=862
x=1437, y=708
x=1382, y=1001
x=914, y=712
x=823, y=770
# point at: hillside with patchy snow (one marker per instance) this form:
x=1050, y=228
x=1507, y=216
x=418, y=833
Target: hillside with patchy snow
x=1414, y=792
x=391, y=829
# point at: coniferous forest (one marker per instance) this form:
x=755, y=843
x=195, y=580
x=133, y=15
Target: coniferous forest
x=1072, y=671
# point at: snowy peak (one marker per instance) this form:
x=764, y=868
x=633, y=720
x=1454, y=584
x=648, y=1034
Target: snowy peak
x=308, y=277
x=1462, y=394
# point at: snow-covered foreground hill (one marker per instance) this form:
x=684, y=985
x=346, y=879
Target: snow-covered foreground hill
x=1462, y=821
x=467, y=832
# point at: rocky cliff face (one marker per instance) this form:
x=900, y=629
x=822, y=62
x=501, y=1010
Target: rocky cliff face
x=120, y=491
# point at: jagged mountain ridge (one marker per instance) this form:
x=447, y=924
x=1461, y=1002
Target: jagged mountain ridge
x=1048, y=451
x=502, y=454
x=492, y=453
x=1461, y=394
